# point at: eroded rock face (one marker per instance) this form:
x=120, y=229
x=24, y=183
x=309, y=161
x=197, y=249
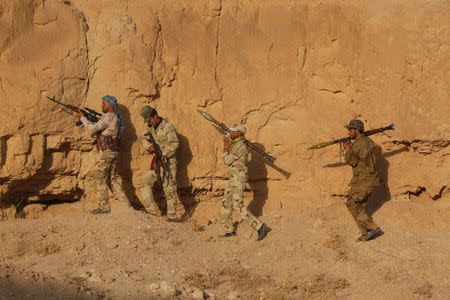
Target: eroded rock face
x=293, y=72
x=42, y=50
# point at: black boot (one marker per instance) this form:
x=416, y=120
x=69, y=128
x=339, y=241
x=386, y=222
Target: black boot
x=263, y=231
x=372, y=233
x=229, y=234
x=100, y=211
x=173, y=219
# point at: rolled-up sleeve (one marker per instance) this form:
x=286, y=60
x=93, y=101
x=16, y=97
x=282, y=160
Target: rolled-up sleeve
x=351, y=157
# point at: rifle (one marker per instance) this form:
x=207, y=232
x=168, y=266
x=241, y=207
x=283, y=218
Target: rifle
x=88, y=113
x=255, y=148
x=348, y=139
x=157, y=157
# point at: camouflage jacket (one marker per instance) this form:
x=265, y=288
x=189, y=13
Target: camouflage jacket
x=235, y=157
x=165, y=136
x=362, y=156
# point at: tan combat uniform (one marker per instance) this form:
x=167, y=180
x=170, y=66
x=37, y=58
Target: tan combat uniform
x=166, y=137
x=362, y=157
x=235, y=157
x=108, y=126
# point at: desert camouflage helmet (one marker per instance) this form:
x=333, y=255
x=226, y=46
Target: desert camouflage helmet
x=147, y=112
x=355, y=124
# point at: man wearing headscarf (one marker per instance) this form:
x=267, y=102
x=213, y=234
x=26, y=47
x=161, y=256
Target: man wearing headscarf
x=108, y=130
x=161, y=140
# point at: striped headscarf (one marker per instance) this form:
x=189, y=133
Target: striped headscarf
x=111, y=100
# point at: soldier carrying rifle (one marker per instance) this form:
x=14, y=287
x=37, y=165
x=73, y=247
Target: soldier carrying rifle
x=108, y=128
x=160, y=140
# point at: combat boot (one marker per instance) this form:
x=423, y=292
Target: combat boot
x=229, y=234
x=100, y=211
x=153, y=211
x=263, y=231
x=372, y=233
x=173, y=219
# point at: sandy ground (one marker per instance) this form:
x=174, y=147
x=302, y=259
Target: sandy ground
x=69, y=254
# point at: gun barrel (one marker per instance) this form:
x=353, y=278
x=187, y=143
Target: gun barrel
x=71, y=107
x=90, y=114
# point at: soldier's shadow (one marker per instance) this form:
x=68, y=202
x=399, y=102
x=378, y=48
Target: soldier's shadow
x=127, y=139
x=184, y=187
x=184, y=158
x=258, y=182
x=381, y=194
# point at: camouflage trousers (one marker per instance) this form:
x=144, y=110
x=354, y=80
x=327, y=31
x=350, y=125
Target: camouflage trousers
x=356, y=204
x=168, y=181
x=233, y=201
x=106, y=172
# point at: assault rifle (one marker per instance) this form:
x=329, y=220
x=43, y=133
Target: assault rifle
x=88, y=113
x=157, y=160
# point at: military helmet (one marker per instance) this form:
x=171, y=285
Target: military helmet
x=239, y=127
x=355, y=124
x=147, y=112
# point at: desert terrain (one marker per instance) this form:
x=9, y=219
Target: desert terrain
x=294, y=72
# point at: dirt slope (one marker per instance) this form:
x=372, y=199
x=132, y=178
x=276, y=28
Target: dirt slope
x=312, y=255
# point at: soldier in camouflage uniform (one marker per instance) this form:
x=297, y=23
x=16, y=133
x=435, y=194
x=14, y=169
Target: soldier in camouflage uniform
x=235, y=157
x=362, y=155
x=160, y=135
x=108, y=129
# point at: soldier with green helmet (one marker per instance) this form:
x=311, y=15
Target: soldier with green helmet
x=361, y=155
x=160, y=140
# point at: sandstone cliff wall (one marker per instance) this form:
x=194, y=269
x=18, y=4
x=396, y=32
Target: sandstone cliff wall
x=293, y=71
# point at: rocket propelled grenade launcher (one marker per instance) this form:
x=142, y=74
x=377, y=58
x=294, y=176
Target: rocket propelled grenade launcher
x=348, y=139
x=254, y=147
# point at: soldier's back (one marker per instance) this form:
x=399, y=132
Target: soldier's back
x=364, y=173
